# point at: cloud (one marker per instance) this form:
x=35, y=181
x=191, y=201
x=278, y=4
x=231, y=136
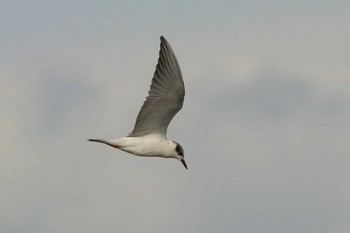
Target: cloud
x=276, y=97
x=63, y=91
x=273, y=151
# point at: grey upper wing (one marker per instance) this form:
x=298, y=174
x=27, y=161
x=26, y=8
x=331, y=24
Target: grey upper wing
x=165, y=97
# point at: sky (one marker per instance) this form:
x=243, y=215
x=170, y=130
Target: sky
x=265, y=124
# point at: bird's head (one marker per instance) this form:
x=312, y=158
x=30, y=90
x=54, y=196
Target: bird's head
x=179, y=153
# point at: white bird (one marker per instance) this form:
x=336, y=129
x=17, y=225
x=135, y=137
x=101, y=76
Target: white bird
x=165, y=98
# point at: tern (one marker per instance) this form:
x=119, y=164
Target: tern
x=165, y=98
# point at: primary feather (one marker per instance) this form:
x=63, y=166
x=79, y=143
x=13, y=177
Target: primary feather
x=165, y=97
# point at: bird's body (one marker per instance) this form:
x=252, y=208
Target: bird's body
x=148, y=146
x=165, y=99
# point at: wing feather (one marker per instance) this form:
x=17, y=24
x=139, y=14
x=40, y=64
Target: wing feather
x=165, y=97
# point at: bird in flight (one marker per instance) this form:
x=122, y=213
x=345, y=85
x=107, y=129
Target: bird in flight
x=165, y=98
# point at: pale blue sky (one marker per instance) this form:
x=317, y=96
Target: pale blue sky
x=265, y=124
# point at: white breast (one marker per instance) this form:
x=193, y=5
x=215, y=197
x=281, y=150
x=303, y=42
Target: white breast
x=152, y=146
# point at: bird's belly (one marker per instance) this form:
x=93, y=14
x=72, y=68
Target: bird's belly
x=146, y=147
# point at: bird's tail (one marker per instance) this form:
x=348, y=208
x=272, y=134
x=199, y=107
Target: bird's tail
x=98, y=140
x=107, y=142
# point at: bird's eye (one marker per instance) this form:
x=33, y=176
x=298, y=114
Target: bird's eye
x=179, y=150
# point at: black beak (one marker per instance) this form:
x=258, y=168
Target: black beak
x=184, y=163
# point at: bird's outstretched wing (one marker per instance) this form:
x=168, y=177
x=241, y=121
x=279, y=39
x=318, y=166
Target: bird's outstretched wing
x=165, y=97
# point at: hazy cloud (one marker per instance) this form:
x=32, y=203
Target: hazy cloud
x=275, y=97
x=63, y=91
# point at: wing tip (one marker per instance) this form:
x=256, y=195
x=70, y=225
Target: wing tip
x=162, y=39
